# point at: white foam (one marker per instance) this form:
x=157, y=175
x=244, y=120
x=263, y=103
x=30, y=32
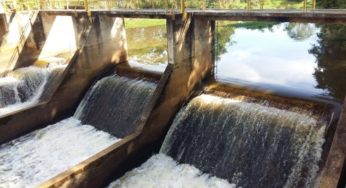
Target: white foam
x=162, y=171
x=5, y=81
x=159, y=67
x=13, y=82
x=42, y=154
x=31, y=71
x=55, y=62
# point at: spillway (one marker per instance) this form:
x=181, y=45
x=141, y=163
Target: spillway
x=40, y=155
x=116, y=101
x=252, y=145
x=246, y=144
x=24, y=86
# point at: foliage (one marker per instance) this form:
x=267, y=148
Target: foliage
x=331, y=4
x=135, y=23
x=223, y=38
x=330, y=53
x=146, y=42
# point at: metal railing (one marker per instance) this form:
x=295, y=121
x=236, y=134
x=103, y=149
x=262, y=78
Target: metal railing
x=154, y=4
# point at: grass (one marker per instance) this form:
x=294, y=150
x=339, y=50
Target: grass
x=136, y=23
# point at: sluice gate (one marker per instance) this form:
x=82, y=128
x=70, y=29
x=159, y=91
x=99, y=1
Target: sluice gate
x=233, y=136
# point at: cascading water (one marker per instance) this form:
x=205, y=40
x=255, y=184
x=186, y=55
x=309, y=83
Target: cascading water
x=25, y=86
x=112, y=96
x=22, y=87
x=247, y=144
x=42, y=154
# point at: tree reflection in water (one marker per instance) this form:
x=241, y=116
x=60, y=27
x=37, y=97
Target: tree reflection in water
x=147, y=45
x=330, y=53
x=325, y=43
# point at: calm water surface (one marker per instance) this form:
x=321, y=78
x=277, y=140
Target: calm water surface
x=304, y=58
x=147, y=47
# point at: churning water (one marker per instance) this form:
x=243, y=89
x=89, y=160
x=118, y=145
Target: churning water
x=25, y=86
x=163, y=172
x=42, y=154
x=22, y=85
x=251, y=145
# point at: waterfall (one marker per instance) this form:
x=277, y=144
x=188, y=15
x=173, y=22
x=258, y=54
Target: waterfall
x=22, y=85
x=25, y=86
x=112, y=96
x=251, y=145
x=113, y=104
x=21, y=88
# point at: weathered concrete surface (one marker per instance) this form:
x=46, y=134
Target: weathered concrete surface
x=314, y=16
x=35, y=41
x=144, y=13
x=324, y=16
x=19, y=27
x=278, y=101
x=3, y=26
x=190, y=62
x=332, y=172
x=104, y=47
x=56, y=78
x=190, y=54
x=193, y=60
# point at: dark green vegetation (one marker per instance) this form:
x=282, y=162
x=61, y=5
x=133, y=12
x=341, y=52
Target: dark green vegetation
x=141, y=23
x=331, y=3
x=330, y=53
x=146, y=40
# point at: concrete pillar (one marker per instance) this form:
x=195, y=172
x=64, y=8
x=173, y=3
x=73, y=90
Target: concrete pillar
x=190, y=47
x=40, y=28
x=3, y=25
x=333, y=170
x=107, y=36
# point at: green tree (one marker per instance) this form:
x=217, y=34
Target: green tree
x=331, y=3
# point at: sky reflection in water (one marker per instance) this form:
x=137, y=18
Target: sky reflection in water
x=277, y=56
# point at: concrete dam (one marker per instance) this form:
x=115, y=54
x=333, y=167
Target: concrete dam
x=89, y=100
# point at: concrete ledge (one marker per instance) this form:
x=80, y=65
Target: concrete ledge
x=315, y=16
x=130, y=13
